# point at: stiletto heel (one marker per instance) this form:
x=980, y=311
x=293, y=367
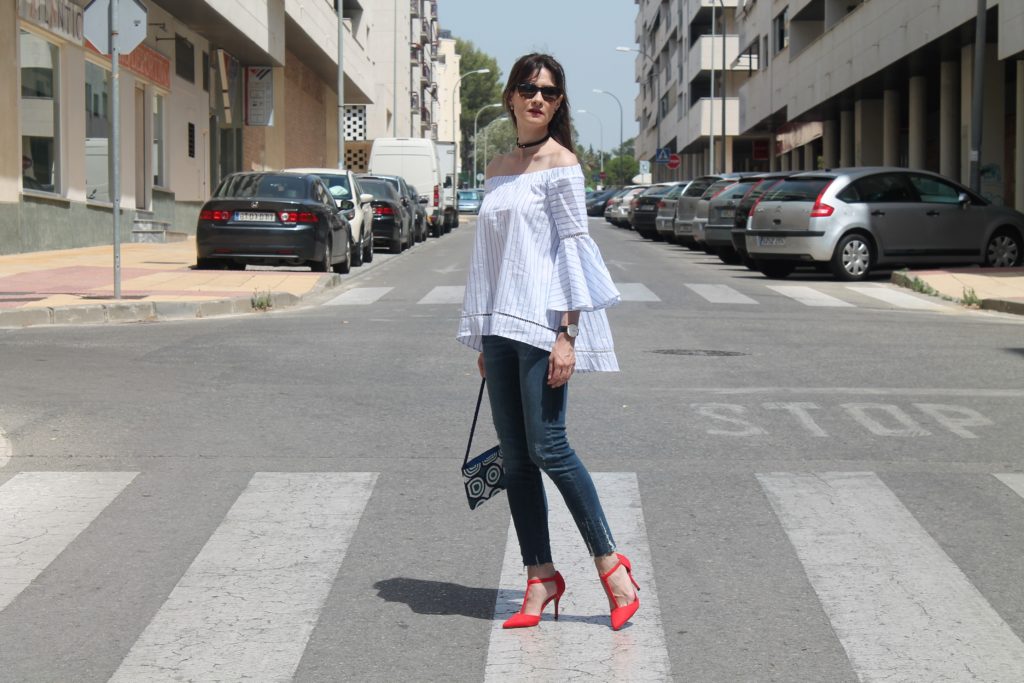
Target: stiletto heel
x=523, y=620
x=621, y=614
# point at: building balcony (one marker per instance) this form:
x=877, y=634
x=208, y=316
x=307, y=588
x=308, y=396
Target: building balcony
x=705, y=118
x=706, y=54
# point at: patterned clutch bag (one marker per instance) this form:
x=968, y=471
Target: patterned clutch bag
x=484, y=475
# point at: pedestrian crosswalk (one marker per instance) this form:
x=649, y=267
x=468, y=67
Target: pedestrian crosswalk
x=825, y=295
x=899, y=605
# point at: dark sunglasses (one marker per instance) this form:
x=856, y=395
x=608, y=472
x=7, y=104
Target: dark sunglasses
x=550, y=93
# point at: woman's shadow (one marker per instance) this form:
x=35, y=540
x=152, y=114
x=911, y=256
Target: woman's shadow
x=439, y=597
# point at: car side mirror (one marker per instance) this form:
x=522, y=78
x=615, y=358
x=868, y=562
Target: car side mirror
x=424, y=200
x=964, y=200
x=365, y=197
x=345, y=204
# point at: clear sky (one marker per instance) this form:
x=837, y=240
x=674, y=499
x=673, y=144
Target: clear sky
x=581, y=34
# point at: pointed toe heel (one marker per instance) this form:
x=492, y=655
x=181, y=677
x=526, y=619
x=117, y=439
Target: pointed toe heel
x=523, y=620
x=621, y=613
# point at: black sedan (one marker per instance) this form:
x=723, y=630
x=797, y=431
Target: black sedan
x=390, y=222
x=277, y=219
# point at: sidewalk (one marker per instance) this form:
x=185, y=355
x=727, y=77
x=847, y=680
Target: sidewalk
x=157, y=283
x=996, y=289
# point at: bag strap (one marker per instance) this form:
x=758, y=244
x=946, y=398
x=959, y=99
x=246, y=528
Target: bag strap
x=476, y=413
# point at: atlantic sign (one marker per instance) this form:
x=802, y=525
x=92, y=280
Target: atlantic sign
x=61, y=17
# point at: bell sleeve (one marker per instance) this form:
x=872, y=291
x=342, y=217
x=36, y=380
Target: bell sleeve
x=580, y=280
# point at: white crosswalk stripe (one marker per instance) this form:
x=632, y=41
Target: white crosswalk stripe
x=635, y=291
x=809, y=296
x=1015, y=480
x=444, y=294
x=721, y=294
x=582, y=644
x=900, y=607
x=248, y=603
x=896, y=298
x=41, y=513
x=360, y=296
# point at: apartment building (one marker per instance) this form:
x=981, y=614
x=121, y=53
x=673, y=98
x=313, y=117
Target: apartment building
x=215, y=86
x=825, y=83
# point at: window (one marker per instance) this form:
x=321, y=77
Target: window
x=184, y=59
x=191, y=141
x=934, y=190
x=40, y=112
x=889, y=187
x=206, y=71
x=158, y=141
x=97, y=133
x=780, y=29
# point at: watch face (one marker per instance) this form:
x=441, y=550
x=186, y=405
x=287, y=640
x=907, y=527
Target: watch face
x=573, y=331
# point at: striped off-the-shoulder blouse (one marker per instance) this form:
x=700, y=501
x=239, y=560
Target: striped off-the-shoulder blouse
x=534, y=259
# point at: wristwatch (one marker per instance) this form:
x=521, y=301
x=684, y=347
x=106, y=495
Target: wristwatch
x=571, y=331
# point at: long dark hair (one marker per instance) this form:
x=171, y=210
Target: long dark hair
x=525, y=68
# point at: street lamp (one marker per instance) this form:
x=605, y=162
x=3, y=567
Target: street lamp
x=455, y=129
x=476, y=119
x=657, y=93
x=711, y=109
x=622, y=142
x=601, y=128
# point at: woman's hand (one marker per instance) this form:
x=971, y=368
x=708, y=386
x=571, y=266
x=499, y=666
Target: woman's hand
x=480, y=365
x=561, y=362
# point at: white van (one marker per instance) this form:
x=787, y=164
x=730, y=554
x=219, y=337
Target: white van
x=415, y=159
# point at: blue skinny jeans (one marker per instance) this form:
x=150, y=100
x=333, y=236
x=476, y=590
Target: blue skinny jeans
x=529, y=417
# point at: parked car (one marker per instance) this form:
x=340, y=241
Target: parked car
x=645, y=208
x=597, y=200
x=721, y=218
x=857, y=219
x=612, y=203
x=667, y=211
x=739, y=230
x=417, y=160
x=420, y=220
x=619, y=210
x=686, y=209
x=407, y=202
x=391, y=224
x=354, y=204
x=273, y=219
x=470, y=200
x=700, y=213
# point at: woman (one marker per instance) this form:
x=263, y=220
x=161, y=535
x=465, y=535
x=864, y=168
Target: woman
x=533, y=308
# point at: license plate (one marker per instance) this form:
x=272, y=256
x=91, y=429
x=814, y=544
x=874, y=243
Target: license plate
x=727, y=213
x=771, y=241
x=255, y=217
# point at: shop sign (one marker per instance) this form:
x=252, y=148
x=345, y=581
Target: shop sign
x=149, y=64
x=62, y=17
x=259, y=96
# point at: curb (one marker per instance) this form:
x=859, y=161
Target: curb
x=154, y=311
x=1014, y=306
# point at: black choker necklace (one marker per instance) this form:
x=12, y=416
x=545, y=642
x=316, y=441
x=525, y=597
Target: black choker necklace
x=524, y=145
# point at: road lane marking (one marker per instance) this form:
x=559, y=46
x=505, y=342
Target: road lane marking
x=897, y=299
x=1014, y=480
x=721, y=294
x=246, y=606
x=41, y=513
x=809, y=296
x=635, y=291
x=444, y=294
x=900, y=607
x=581, y=643
x=359, y=296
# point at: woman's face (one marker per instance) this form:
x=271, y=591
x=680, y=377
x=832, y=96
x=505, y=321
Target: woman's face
x=536, y=105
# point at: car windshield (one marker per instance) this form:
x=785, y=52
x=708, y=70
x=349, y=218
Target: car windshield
x=246, y=185
x=380, y=189
x=797, y=190
x=657, y=191
x=338, y=185
x=469, y=194
x=716, y=187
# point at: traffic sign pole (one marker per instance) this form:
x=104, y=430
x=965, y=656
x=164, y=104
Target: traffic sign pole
x=115, y=137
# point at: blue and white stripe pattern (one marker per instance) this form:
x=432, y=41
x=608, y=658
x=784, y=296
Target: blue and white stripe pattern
x=532, y=260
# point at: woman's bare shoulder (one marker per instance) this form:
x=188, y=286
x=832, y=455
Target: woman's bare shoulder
x=496, y=166
x=560, y=156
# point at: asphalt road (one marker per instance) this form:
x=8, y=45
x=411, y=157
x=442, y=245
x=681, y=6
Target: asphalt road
x=815, y=484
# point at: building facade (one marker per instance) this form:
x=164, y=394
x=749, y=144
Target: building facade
x=825, y=83
x=215, y=86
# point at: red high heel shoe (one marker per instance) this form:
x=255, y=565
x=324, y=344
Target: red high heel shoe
x=621, y=614
x=523, y=620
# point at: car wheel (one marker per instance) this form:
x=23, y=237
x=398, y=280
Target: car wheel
x=323, y=265
x=396, y=241
x=775, y=270
x=728, y=256
x=853, y=258
x=345, y=266
x=206, y=264
x=368, y=245
x=355, y=256
x=1003, y=250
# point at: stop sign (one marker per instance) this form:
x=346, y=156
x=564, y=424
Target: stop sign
x=131, y=25
x=674, y=161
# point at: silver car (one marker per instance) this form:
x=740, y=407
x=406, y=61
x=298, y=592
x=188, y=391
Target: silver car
x=857, y=219
x=667, y=211
x=686, y=209
x=700, y=213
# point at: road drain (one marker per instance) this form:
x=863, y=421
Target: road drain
x=697, y=352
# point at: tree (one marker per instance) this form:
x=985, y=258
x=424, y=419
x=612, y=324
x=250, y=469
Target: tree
x=475, y=92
